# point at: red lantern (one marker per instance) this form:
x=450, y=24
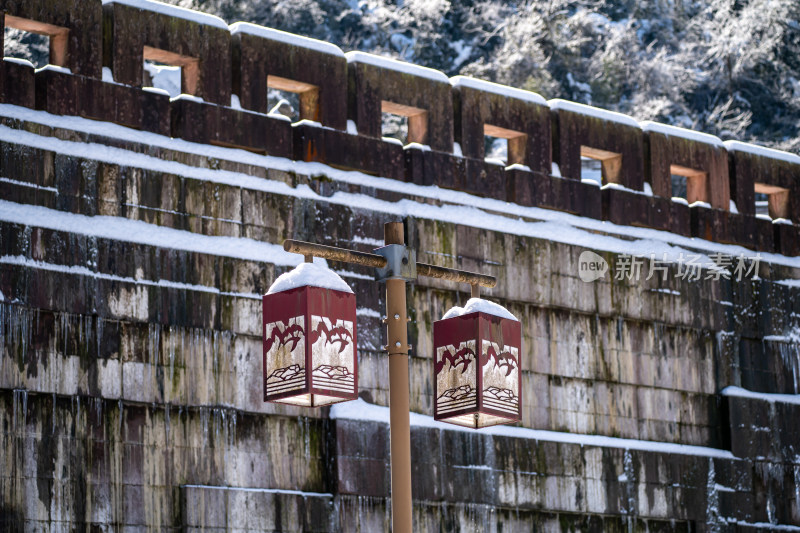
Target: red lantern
x=310, y=344
x=476, y=364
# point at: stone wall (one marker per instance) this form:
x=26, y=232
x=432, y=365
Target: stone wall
x=132, y=266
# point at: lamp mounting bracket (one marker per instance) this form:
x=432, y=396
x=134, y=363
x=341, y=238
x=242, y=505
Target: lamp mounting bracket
x=401, y=263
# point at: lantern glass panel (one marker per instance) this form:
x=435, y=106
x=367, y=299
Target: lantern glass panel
x=310, y=347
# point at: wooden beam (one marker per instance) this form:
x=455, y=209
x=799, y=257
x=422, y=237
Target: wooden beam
x=402, y=110
x=687, y=172
x=777, y=199
x=58, y=36
x=308, y=93
x=516, y=150
x=763, y=188
x=696, y=183
x=610, y=163
x=190, y=66
x=418, y=128
x=417, y=120
x=291, y=86
x=502, y=133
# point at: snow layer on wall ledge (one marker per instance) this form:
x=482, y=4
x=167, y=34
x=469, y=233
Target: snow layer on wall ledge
x=738, y=146
x=361, y=410
x=393, y=64
x=675, y=131
x=173, y=11
x=496, y=88
x=588, y=110
x=542, y=223
x=309, y=275
x=479, y=305
x=285, y=37
x=739, y=392
x=140, y=232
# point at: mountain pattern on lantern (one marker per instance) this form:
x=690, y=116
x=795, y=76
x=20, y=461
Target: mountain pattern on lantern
x=332, y=354
x=456, y=377
x=285, y=348
x=500, y=367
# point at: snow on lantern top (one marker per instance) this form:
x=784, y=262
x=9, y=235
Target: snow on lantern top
x=479, y=305
x=311, y=275
x=476, y=364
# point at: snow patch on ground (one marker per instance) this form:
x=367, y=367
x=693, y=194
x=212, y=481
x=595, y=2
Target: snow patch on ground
x=309, y=275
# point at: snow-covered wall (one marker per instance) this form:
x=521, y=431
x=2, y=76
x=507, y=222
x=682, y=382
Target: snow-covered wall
x=137, y=237
x=229, y=70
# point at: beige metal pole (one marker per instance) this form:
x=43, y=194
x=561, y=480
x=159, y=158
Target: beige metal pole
x=399, y=426
x=475, y=291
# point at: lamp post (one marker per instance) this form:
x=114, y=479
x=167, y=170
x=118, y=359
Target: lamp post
x=395, y=265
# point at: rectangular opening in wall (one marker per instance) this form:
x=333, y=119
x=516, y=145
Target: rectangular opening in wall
x=504, y=146
x=688, y=183
x=26, y=46
x=405, y=123
x=33, y=41
x=170, y=72
x=394, y=127
x=771, y=201
x=609, y=163
x=495, y=150
x=284, y=103
x=591, y=169
x=161, y=76
x=295, y=99
x=678, y=186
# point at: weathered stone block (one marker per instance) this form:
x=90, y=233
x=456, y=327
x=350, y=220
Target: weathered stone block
x=484, y=179
x=550, y=192
x=625, y=207
x=341, y=149
x=483, y=108
x=201, y=49
x=422, y=94
x=598, y=133
x=57, y=92
x=206, y=123
x=680, y=219
x=17, y=85
x=701, y=158
x=787, y=238
x=711, y=224
x=429, y=167
x=763, y=235
x=265, y=58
